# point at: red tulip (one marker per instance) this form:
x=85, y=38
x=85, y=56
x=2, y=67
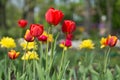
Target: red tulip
x=68, y=43
x=53, y=16
x=68, y=26
x=36, y=29
x=22, y=23
x=42, y=38
x=13, y=54
x=28, y=37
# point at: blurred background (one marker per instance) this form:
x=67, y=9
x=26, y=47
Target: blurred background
x=94, y=18
x=102, y=15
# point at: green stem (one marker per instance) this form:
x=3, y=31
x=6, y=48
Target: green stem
x=10, y=69
x=52, y=55
x=6, y=68
x=61, y=64
x=86, y=60
x=106, y=60
x=46, y=55
x=34, y=70
x=41, y=54
x=85, y=64
x=24, y=63
x=41, y=49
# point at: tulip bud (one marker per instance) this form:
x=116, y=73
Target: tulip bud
x=22, y=23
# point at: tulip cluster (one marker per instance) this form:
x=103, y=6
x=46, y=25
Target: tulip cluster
x=53, y=17
x=36, y=31
x=68, y=28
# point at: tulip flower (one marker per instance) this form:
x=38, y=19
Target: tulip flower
x=7, y=42
x=88, y=44
x=13, y=54
x=29, y=46
x=22, y=23
x=111, y=40
x=103, y=42
x=68, y=26
x=45, y=37
x=28, y=37
x=65, y=44
x=42, y=38
x=54, y=16
x=36, y=29
x=30, y=55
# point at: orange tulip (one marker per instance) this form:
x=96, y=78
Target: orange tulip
x=13, y=54
x=111, y=40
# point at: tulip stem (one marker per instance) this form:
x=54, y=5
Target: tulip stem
x=5, y=67
x=24, y=63
x=34, y=70
x=52, y=54
x=61, y=64
x=106, y=59
x=41, y=54
x=46, y=56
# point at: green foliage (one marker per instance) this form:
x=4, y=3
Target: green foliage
x=115, y=16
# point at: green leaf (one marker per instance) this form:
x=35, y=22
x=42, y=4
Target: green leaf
x=117, y=70
x=108, y=75
x=54, y=76
x=40, y=71
x=21, y=77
